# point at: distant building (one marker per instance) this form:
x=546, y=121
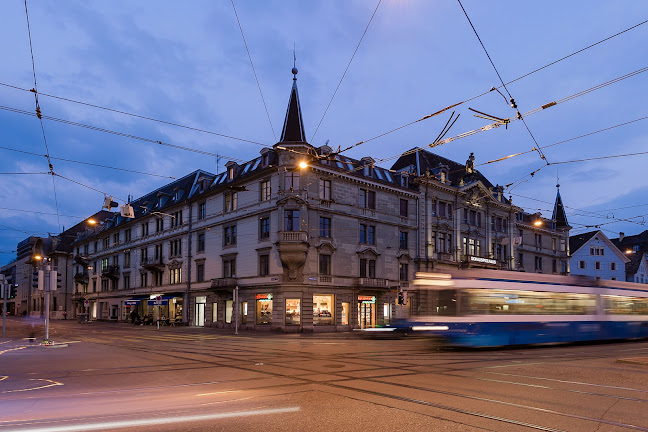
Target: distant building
x=637, y=268
x=632, y=244
x=594, y=255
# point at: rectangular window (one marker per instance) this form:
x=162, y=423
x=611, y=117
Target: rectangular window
x=200, y=244
x=214, y=312
x=538, y=241
x=404, y=207
x=371, y=235
x=325, y=265
x=291, y=181
x=143, y=255
x=175, y=276
x=581, y=265
x=244, y=312
x=402, y=240
x=553, y=244
x=264, y=308
x=176, y=219
x=106, y=243
x=265, y=190
x=145, y=229
x=158, y=252
x=127, y=284
x=325, y=227
x=363, y=234
x=127, y=260
x=291, y=220
x=144, y=280
x=230, y=202
x=175, y=247
x=158, y=278
x=520, y=260
x=229, y=235
x=325, y=190
x=368, y=199
x=591, y=251
x=597, y=265
x=200, y=272
x=264, y=265
x=128, y=234
x=228, y=311
x=345, y=314
x=116, y=239
x=538, y=263
x=404, y=271
x=202, y=211
x=159, y=225
x=323, y=308
x=229, y=267
x=554, y=266
x=367, y=268
x=104, y=284
x=264, y=227
x=104, y=264
x=293, y=311
x=613, y=266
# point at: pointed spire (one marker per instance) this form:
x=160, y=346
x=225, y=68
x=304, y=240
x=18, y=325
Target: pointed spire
x=293, y=129
x=559, y=215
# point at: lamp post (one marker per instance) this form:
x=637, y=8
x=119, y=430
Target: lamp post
x=47, y=281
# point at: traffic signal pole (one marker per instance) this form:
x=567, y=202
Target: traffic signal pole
x=48, y=281
x=5, y=287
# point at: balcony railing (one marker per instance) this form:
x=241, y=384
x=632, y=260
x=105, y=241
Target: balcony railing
x=153, y=264
x=111, y=271
x=82, y=278
x=373, y=282
x=293, y=236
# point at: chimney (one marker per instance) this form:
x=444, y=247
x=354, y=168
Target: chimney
x=621, y=236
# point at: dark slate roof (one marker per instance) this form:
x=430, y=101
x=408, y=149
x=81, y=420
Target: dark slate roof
x=632, y=267
x=293, y=129
x=629, y=242
x=559, y=215
x=578, y=240
x=70, y=235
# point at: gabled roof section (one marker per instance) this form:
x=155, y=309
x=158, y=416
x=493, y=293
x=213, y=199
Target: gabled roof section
x=293, y=128
x=559, y=215
x=578, y=241
x=632, y=267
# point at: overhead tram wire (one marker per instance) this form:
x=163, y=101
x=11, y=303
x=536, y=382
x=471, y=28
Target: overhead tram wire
x=346, y=70
x=87, y=163
x=512, y=101
x=40, y=212
x=88, y=187
x=253, y=70
x=123, y=134
x=509, y=82
x=39, y=115
x=168, y=123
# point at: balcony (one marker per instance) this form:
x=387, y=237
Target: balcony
x=293, y=249
x=372, y=282
x=153, y=264
x=82, y=278
x=81, y=260
x=221, y=283
x=111, y=272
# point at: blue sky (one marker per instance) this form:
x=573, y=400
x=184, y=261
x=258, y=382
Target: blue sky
x=185, y=62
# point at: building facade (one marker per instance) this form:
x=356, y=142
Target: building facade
x=594, y=255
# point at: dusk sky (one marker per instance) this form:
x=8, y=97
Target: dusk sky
x=186, y=63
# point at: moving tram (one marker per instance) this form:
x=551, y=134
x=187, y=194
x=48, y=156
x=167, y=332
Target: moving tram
x=485, y=308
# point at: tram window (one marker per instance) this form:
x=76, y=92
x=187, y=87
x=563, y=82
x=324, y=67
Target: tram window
x=477, y=301
x=623, y=305
x=447, y=304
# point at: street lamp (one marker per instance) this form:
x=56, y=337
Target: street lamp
x=303, y=165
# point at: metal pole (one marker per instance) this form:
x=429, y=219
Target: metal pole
x=236, y=309
x=5, y=287
x=48, y=281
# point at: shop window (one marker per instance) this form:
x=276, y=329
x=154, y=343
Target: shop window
x=387, y=313
x=293, y=312
x=228, y=311
x=264, y=309
x=323, y=310
x=345, y=313
x=244, y=313
x=214, y=312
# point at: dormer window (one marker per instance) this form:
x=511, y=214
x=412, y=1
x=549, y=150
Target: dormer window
x=368, y=169
x=231, y=170
x=404, y=179
x=230, y=173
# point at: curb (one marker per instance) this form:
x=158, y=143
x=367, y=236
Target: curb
x=637, y=361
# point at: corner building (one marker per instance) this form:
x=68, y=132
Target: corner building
x=311, y=240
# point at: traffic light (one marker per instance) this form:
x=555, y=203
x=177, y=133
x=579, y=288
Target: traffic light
x=37, y=279
x=401, y=298
x=55, y=280
x=13, y=288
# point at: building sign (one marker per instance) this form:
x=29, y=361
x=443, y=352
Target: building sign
x=131, y=302
x=264, y=297
x=367, y=299
x=482, y=260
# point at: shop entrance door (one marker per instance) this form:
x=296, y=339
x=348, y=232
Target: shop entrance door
x=367, y=315
x=199, y=316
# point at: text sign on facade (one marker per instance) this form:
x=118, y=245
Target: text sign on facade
x=264, y=296
x=367, y=299
x=483, y=260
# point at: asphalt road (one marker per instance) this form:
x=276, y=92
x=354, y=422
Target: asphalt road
x=103, y=376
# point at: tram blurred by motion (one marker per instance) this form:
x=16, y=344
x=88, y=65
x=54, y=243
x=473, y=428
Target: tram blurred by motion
x=486, y=308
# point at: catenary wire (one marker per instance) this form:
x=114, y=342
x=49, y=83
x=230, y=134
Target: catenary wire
x=38, y=113
x=253, y=70
x=513, y=104
x=123, y=134
x=40, y=212
x=87, y=163
x=346, y=70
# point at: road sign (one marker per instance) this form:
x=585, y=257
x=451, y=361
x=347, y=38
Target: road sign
x=86, y=297
x=86, y=303
x=158, y=300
